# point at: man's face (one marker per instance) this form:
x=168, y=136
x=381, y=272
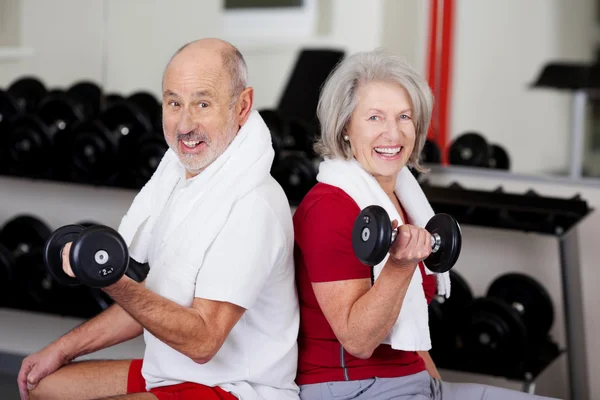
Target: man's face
x=198, y=118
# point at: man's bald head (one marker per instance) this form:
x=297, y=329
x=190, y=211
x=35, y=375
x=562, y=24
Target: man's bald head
x=232, y=60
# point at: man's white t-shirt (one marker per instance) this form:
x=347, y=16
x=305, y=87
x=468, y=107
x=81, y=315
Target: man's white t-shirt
x=250, y=263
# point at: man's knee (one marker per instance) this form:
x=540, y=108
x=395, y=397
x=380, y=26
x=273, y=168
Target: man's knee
x=45, y=390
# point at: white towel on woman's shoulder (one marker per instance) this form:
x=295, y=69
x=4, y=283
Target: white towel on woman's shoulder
x=411, y=330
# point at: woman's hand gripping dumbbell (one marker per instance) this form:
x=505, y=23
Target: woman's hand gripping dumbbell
x=98, y=255
x=373, y=235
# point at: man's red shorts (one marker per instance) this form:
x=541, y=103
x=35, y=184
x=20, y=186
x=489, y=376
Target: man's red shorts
x=183, y=391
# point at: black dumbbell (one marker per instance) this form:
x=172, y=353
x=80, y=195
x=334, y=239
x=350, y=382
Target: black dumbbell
x=512, y=319
x=372, y=236
x=30, y=138
x=499, y=158
x=138, y=166
x=135, y=271
x=6, y=276
x=61, y=109
x=431, y=153
x=470, y=149
x=276, y=126
x=8, y=107
x=24, y=233
x=445, y=319
x=473, y=150
x=297, y=175
x=28, y=92
x=96, y=145
x=150, y=105
x=99, y=256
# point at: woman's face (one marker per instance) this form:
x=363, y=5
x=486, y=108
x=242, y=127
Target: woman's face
x=381, y=130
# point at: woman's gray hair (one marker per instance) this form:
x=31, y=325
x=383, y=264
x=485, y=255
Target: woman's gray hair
x=338, y=100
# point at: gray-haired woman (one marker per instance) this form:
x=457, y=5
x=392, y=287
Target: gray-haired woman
x=364, y=332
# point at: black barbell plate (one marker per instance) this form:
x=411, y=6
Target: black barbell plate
x=99, y=257
x=494, y=333
x=23, y=233
x=451, y=242
x=372, y=235
x=470, y=149
x=538, y=310
x=53, y=249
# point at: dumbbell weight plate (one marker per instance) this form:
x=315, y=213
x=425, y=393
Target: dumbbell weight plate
x=149, y=105
x=529, y=298
x=99, y=257
x=470, y=149
x=277, y=128
x=300, y=138
x=38, y=290
x=94, y=151
x=447, y=255
x=59, y=112
x=431, y=153
x=296, y=175
x=23, y=233
x=28, y=92
x=7, y=263
x=53, y=249
x=89, y=95
x=8, y=107
x=498, y=158
x=126, y=120
x=28, y=145
x=139, y=166
x=372, y=235
x=494, y=332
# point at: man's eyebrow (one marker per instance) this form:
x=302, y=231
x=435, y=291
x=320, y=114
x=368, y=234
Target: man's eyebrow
x=203, y=93
x=168, y=93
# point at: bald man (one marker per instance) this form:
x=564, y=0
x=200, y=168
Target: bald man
x=218, y=309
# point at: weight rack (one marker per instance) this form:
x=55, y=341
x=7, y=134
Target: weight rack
x=532, y=213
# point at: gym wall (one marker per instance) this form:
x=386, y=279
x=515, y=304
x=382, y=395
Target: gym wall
x=500, y=47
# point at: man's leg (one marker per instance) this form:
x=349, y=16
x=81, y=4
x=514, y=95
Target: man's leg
x=84, y=380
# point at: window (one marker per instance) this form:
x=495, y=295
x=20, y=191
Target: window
x=269, y=19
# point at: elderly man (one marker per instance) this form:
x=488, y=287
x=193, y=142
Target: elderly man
x=218, y=309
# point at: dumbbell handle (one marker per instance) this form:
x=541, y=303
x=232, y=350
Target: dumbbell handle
x=436, y=240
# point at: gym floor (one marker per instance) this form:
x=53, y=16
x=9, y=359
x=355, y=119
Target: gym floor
x=8, y=387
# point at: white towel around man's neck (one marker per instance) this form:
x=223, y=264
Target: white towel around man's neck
x=411, y=330
x=244, y=165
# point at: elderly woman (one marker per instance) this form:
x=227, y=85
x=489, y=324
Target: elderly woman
x=364, y=331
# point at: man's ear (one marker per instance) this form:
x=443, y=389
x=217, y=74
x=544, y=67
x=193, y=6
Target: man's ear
x=244, y=105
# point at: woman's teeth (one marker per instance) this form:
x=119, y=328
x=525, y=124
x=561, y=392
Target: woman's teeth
x=388, y=150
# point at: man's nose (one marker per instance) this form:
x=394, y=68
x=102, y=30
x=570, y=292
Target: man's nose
x=186, y=123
